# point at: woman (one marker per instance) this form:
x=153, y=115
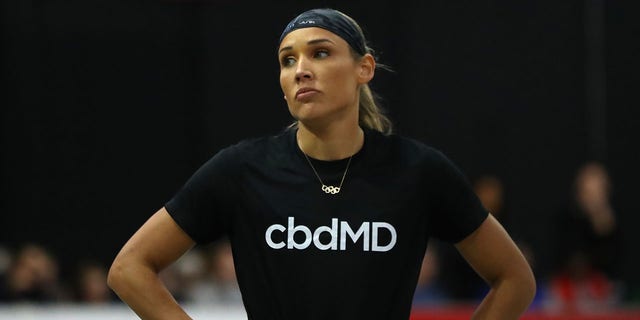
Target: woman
x=330, y=218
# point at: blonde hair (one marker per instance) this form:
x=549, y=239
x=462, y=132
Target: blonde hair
x=370, y=114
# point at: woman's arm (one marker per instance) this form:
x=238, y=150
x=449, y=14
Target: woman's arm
x=497, y=259
x=134, y=272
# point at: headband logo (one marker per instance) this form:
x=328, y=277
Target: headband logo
x=333, y=21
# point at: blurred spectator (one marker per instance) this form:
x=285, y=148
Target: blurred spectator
x=5, y=260
x=182, y=276
x=219, y=284
x=490, y=191
x=429, y=290
x=459, y=280
x=589, y=243
x=32, y=277
x=91, y=284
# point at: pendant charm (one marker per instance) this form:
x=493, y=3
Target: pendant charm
x=330, y=189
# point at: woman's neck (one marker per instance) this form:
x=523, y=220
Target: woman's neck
x=330, y=143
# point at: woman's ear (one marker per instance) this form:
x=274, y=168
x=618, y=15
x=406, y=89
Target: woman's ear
x=367, y=67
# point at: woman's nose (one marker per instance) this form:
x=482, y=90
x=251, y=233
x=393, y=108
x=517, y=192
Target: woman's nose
x=302, y=71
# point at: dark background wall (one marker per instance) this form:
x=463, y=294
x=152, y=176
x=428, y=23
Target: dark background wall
x=109, y=106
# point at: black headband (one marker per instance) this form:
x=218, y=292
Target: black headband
x=331, y=20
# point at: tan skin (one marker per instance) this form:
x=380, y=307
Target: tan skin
x=316, y=59
x=320, y=63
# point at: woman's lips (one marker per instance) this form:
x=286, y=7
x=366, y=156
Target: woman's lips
x=306, y=93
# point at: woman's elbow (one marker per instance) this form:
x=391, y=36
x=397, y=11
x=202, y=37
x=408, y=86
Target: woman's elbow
x=121, y=273
x=527, y=285
x=115, y=275
x=519, y=281
x=531, y=287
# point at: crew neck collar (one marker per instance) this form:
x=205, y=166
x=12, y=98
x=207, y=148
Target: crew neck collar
x=329, y=164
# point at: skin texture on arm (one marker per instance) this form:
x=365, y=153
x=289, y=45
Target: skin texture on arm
x=495, y=257
x=134, y=272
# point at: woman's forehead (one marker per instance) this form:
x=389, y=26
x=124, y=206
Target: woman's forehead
x=306, y=35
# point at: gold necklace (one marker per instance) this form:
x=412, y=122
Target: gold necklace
x=329, y=189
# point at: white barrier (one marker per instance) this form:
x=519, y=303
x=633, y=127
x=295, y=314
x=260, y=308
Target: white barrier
x=109, y=312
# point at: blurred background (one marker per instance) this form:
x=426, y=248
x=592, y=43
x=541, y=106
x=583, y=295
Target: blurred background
x=107, y=107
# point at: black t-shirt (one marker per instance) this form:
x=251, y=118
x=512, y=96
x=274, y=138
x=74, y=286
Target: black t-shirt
x=301, y=253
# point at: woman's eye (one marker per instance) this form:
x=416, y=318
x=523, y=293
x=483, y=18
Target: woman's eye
x=321, y=54
x=288, y=61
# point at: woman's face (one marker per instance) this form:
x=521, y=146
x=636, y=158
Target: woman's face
x=319, y=75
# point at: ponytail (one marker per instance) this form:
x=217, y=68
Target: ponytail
x=370, y=114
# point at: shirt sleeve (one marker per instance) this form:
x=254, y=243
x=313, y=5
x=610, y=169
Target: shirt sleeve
x=203, y=204
x=456, y=210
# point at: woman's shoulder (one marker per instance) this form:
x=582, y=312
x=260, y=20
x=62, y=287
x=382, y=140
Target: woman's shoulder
x=257, y=146
x=408, y=148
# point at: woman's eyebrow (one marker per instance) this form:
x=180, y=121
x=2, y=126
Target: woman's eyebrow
x=316, y=41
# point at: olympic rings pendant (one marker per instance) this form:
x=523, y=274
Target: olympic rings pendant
x=330, y=189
